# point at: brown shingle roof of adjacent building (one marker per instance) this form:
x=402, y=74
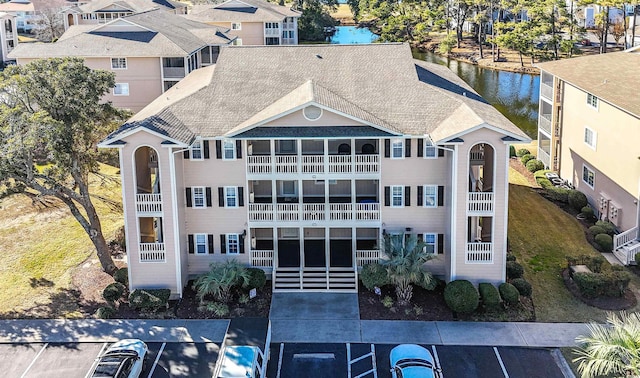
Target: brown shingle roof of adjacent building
x=379, y=83
x=612, y=77
x=241, y=11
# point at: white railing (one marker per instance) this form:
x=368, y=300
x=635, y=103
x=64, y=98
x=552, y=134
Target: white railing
x=367, y=256
x=544, y=124
x=287, y=25
x=367, y=163
x=340, y=163
x=261, y=212
x=287, y=212
x=288, y=41
x=313, y=211
x=173, y=72
x=286, y=163
x=480, y=202
x=148, y=203
x=151, y=252
x=477, y=153
x=262, y=258
x=341, y=211
x=544, y=157
x=367, y=211
x=479, y=253
x=272, y=32
x=546, y=91
x=259, y=164
x=313, y=164
x=625, y=237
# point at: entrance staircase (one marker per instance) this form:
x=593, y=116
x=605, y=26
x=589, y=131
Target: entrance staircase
x=315, y=279
x=626, y=245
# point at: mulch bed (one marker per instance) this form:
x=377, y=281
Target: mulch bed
x=628, y=300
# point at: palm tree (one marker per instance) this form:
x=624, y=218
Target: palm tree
x=220, y=279
x=404, y=261
x=612, y=348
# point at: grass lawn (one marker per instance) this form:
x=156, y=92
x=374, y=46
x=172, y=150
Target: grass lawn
x=41, y=246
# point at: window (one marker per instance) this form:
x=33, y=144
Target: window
x=237, y=42
x=430, y=151
x=233, y=245
x=588, y=176
x=200, y=241
x=397, y=196
x=430, y=241
x=230, y=196
x=592, y=101
x=119, y=63
x=430, y=196
x=198, y=197
x=272, y=41
x=590, y=137
x=397, y=149
x=286, y=146
x=121, y=89
x=288, y=188
x=196, y=150
x=236, y=26
x=229, y=150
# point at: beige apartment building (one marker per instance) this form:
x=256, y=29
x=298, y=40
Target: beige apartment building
x=255, y=22
x=97, y=12
x=149, y=52
x=8, y=35
x=298, y=159
x=589, y=132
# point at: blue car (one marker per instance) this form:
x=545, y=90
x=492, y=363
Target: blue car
x=412, y=361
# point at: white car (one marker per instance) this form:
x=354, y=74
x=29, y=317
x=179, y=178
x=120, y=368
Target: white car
x=412, y=361
x=123, y=359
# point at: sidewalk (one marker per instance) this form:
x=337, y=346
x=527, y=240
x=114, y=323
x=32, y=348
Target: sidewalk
x=301, y=331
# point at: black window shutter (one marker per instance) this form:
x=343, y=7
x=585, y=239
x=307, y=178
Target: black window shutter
x=407, y=148
x=205, y=147
x=420, y=188
x=440, y=195
x=218, y=149
x=208, y=193
x=185, y=154
x=210, y=240
x=188, y=194
x=191, y=243
x=223, y=243
x=420, y=147
x=387, y=196
x=221, y=196
x=407, y=195
x=240, y=243
x=440, y=244
x=240, y=196
x=238, y=149
x=440, y=152
x=387, y=148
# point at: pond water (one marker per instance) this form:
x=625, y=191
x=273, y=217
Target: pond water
x=346, y=35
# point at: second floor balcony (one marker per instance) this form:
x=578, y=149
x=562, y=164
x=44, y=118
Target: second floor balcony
x=313, y=164
x=313, y=212
x=480, y=203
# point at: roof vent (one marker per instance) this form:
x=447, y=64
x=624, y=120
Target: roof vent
x=312, y=112
x=318, y=56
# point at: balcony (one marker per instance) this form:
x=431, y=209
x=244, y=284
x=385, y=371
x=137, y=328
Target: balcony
x=149, y=203
x=272, y=32
x=544, y=123
x=546, y=91
x=313, y=164
x=544, y=157
x=151, y=252
x=479, y=253
x=313, y=212
x=480, y=203
x=369, y=256
x=173, y=72
x=262, y=258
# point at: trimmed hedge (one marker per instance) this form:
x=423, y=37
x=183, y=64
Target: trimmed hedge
x=509, y=293
x=525, y=158
x=373, y=275
x=577, y=199
x=605, y=241
x=596, y=230
x=113, y=292
x=523, y=286
x=522, y=151
x=511, y=257
x=559, y=194
x=609, y=284
x=105, y=312
x=514, y=270
x=149, y=299
x=587, y=212
x=544, y=183
x=257, y=278
x=122, y=275
x=512, y=151
x=608, y=227
x=461, y=296
x=534, y=165
x=489, y=295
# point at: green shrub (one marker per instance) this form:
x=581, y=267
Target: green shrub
x=559, y=194
x=257, y=278
x=544, y=183
x=525, y=158
x=637, y=258
x=609, y=284
x=220, y=280
x=512, y=151
x=605, y=242
x=514, y=270
x=522, y=151
x=596, y=230
x=511, y=257
x=534, y=165
x=608, y=227
x=587, y=212
x=113, y=292
x=594, y=263
x=219, y=309
x=461, y=296
x=509, y=293
x=374, y=275
x=430, y=284
x=149, y=299
x=523, y=286
x=577, y=199
x=387, y=301
x=105, y=312
x=589, y=284
x=122, y=275
x=120, y=238
x=243, y=298
x=489, y=295
x=616, y=283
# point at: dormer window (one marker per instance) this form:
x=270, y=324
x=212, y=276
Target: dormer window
x=119, y=63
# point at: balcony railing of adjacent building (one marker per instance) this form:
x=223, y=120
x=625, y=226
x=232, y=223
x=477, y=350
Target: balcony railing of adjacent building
x=288, y=41
x=173, y=72
x=288, y=25
x=272, y=32
x=313, y=164
x=546, y=91
x=148, y=202
x=479, y=253
x=544, y=122
x=294, y=212
x=480, y=203
x=544, y=157
x=151, y=252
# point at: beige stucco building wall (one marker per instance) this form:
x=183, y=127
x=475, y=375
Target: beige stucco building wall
x=251, y=33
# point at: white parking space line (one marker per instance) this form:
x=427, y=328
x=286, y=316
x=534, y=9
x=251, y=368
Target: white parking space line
x=437, y=361
x=504, y=370
x=155, y=363
x=280, y=360
x=372, y=355
x=34, y=360
x=95, y=360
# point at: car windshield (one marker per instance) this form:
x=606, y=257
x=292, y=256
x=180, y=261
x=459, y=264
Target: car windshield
x=114, y=365
x=407, y=362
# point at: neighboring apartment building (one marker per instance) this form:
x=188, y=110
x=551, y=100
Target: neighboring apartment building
x=102, y=11
x=589, y=132
x=8, y=35
x=255, y=22
x=298, y=159
x=27, y=12
x=149, y=52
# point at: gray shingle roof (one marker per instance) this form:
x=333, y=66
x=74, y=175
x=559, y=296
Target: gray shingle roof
x=381, y=81
x=135, y=6
x=241, y=11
